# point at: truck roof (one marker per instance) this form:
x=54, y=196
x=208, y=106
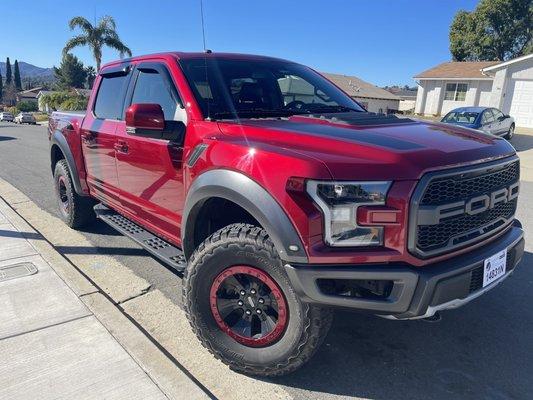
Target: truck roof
x=191, y=55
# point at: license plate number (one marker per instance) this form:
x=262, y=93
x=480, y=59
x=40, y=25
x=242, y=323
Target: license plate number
x=494, y=267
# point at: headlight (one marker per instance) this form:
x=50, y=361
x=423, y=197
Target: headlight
x=339, y=202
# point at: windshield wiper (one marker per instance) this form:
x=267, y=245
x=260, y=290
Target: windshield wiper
x=331, y=108
x=252, y=113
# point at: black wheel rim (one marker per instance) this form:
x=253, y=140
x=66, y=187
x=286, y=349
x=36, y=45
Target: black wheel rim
x=248, y=306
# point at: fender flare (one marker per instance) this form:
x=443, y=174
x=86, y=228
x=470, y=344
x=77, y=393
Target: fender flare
x=59, y=140
x=248, y=194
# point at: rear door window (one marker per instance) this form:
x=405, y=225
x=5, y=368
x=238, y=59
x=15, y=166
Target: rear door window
x=487, y=117
x=110, y=98
x=497, y=114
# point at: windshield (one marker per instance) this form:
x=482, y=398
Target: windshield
x=262, y=88
x=463, y=117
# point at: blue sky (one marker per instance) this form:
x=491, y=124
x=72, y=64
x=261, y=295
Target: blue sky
x=381, y=41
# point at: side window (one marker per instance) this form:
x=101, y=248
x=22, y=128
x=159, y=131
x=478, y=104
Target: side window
x=487, y=117
x=152, y=87
x=110, y=97
x=497, y=114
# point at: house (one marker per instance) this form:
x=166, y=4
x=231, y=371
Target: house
x=506, y=85
x=407, y=98
x=42, y=106
x=46, y=108
x=28, y=95
x=373, y=98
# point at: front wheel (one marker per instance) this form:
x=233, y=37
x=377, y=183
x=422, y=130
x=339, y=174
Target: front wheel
x=241, y=305
x=510, y=132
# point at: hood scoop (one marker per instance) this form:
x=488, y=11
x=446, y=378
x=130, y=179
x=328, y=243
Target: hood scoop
x=355, y=118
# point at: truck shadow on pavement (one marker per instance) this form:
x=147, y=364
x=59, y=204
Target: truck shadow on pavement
x=17, y=234
x=6, y=138
x=114, y=251
x=483, y=350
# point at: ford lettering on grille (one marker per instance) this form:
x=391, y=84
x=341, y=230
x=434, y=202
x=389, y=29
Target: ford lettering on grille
x=453, y=208
x=433, y=215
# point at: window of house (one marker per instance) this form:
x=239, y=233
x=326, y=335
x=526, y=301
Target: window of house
x=152, y=87
x=110, y=97
x=456, y=91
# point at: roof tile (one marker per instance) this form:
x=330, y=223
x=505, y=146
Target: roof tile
x=457, y=69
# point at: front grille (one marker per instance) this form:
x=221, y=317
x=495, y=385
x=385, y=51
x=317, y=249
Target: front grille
x=431, y=237
x=450, y=188
x=437, y=236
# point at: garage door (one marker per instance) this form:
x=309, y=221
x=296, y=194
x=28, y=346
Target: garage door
x=522, y=103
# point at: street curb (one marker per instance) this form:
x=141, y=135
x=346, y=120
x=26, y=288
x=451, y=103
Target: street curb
x=172, y=379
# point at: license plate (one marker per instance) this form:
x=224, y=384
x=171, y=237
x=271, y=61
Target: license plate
x=494, y=267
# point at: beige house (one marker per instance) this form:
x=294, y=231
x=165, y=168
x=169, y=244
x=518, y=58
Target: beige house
x=28, y=95
x=373, y=98
x=507, y=86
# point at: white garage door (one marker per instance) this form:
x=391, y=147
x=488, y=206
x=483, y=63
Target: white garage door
x=522, y=103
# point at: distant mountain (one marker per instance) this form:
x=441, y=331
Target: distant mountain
x=28, y=70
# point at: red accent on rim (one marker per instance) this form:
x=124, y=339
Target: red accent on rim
x=281, y=323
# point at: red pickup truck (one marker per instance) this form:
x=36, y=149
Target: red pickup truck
x=280, y=198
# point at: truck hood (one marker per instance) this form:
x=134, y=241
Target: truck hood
x=390, y=149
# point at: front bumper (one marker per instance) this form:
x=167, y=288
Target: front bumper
x=416, y=292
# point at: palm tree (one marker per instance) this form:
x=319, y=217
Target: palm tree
x=103, y=34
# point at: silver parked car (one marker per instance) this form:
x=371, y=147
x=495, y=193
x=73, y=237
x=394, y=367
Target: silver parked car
x=486, y=119
x=25, y=118
x=6, y=116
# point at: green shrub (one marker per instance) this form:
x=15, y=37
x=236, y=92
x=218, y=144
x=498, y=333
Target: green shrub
x=27, y=106
x=12, y=110
x=67, y=101
x=74, y=103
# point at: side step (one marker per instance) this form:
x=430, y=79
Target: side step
x=158, y=247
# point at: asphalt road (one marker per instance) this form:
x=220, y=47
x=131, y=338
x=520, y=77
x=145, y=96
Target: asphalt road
x=481, y=351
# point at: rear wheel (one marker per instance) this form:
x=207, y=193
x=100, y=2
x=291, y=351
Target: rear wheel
x=76, y=211
x=510, y=132
x=242, y=307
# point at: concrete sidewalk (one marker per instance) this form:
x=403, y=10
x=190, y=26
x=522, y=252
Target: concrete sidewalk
x=55, y=339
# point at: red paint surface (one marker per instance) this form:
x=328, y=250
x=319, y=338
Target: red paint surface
x=149, y=182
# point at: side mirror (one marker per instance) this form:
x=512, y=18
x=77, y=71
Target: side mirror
x=146, y=120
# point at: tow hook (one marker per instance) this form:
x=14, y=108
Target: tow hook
x=434, y=318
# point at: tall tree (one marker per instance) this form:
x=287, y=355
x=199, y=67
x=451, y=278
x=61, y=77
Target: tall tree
x=91, y=76
x=1, y=87
x=96, y=37
x=16, y=76
x=495, y=30
x=9, y=78
x=71, y=73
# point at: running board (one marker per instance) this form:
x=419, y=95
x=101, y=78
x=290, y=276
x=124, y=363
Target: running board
x=158, y=247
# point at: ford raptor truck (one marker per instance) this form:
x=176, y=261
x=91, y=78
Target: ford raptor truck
x=280, y=198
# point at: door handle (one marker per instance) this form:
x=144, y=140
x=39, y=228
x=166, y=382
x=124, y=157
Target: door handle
x=88, y=138
x=121, y=147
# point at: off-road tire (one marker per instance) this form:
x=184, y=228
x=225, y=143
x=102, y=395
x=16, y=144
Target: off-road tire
x=244, y=244
x=79, y=211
